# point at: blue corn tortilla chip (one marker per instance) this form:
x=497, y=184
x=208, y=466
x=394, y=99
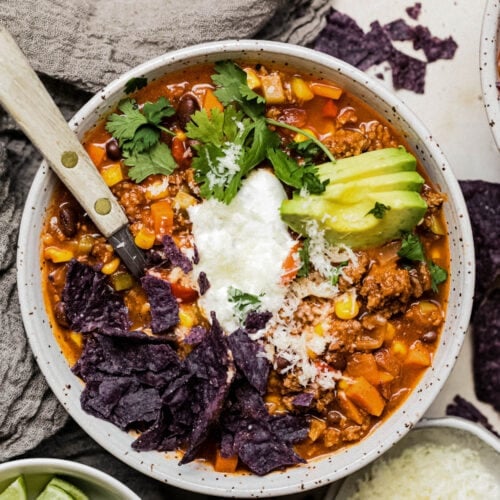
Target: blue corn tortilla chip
x=90, y=304
x=203, y=283
x=303, y=400
x=250, y=359
x=164, y=307
x=212, y=370
x=414, y=11
x=196, y=335
x=343, y=38
x=262, y=442
x=460, y=407
x=257, y=320
x=175, y=255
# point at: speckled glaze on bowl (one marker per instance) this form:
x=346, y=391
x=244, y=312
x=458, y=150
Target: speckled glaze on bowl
x=38, y=471
x=489, y=48
x=199, y=476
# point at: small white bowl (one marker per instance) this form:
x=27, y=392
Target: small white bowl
x=199, y=476
x=37, y=473
x=440, y=431
x=489, y=48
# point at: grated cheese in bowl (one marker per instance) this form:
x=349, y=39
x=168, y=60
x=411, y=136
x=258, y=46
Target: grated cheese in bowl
x=429, y=464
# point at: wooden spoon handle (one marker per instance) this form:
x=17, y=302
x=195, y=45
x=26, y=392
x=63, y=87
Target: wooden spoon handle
x=26, y=99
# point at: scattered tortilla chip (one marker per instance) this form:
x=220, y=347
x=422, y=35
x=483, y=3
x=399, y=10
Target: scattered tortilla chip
x=90, y=303
x=203, y=283
x=174, y=254
x=164, y=307
x=414, y=11
x=195, y=335
x=303, y=400
x=343, y=38
x=460, y=407
x=249, y=358
x=257, y=320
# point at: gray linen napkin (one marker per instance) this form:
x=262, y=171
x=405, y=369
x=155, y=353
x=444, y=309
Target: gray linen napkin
x=85, y=44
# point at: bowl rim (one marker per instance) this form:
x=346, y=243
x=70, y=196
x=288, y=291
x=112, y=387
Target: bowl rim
x=41, y=465
x=488, y=72
x=320, y=59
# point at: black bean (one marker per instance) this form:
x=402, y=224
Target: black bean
x=60, y=315
x=333, y=417
x=429, y=337
x=281, y=363
x=113, y=150
x=337, y=360
x=68, y=220
x=188, y=105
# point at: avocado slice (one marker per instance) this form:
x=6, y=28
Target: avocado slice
x=351, y=224
x=370, y=164
x=355, y=190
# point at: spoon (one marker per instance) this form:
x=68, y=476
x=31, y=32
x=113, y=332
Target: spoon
x=23, y=95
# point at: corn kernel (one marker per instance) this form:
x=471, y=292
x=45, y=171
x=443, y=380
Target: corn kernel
x=301, y=89
x=326, y=90
x=184, y=200
x=304, y=137
x=111, y=266
x=319, y=330
x=57, y=255
x=253, y=80
x=181, y=135
x=76, y=338
x=398, y=348
x=112, y=174
x=145, y=238
x=186, y=317
x=427, y=307
x=85, y=244
x=342, y=384
x=346, y=306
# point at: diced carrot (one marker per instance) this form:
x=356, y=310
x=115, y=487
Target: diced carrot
x=112, y=174
x=96, y=153
x=330, y=109
x=210, y=102
x=291, y=264
x=145, y=238
x=366, y=396
x=363, y=364
x=225, y=464
x=418, y=356
x=163, y=217
x=326, y=90
x=349, y=408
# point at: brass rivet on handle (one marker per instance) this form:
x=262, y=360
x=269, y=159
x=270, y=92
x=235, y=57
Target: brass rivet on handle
x=102, y=206
x=69, y=159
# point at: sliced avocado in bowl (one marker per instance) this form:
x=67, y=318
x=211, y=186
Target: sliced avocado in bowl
x=352, y=224
x=355, y=190
x=370, y=164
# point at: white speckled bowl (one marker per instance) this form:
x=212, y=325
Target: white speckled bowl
x=489, y=48
x=37, y=473
x=198, y=476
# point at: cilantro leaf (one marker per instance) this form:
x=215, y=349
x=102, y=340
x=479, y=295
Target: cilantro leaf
x=157, y=160
x=309, y=149
x=124, y=126
x=379, y=210
x=293, y=174
x=232, y=87
x=305, y=265
x=411, y=248
x=243, y=302
x=438, y=275
x=263, y=139
x=145, y=138
x=336, y=272
x=156, y=111
x=135, y=84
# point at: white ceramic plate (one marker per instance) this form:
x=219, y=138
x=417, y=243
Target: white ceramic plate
x=441, y=431
x=489, y=48
x=38, y=471
x=198, y=476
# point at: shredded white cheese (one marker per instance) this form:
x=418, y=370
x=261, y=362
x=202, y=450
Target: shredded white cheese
x=242, y=245
x=226, y=167
x=429, y=471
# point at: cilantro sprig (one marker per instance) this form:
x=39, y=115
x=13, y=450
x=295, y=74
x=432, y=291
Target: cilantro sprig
x=138, y=134
x=234, y=141
x=379, y=210
x=412, y=249
x=243, y=302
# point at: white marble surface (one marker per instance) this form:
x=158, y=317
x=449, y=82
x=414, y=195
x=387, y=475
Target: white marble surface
x=452, y=110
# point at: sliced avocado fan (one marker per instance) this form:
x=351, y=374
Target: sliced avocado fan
x=347, y=210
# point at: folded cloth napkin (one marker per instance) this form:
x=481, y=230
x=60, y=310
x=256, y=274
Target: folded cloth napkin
x=79, y=46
